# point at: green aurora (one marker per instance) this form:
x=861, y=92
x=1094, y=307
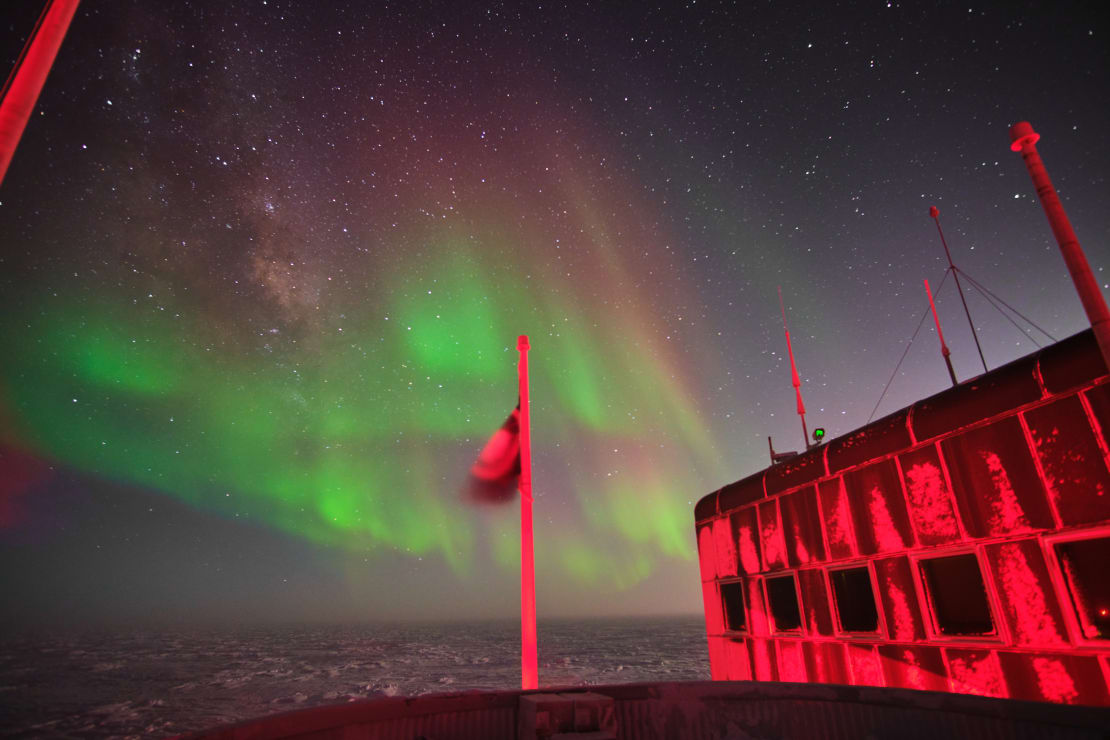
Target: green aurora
x=358, y=434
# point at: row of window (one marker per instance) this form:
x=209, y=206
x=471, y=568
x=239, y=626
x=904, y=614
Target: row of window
x=852, y=592
x=954, y=592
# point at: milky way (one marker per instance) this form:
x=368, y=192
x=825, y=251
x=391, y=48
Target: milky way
x=264, y=265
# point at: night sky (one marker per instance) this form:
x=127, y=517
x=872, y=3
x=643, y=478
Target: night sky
x=263, y=265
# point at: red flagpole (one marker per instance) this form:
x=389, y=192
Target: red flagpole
x=22, y=89
x=529, y=670
x=944, y=351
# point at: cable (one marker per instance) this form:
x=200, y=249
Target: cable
x=1007, y=316
x=906, y=352
x=986, y=293
x=1026, y=319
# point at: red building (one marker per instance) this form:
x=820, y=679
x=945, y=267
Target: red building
x=961, y=544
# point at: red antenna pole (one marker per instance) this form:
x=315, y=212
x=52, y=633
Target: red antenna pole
x=1024, y=139
x=955, y=274
x=529, y=667
x=945, y=352
x=21, y=91
x=794, y=379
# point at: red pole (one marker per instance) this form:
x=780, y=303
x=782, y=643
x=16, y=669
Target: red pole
x=943, y=347
x=1024, y=139
x=22, y=89
x=795, y=380
x=529, y=670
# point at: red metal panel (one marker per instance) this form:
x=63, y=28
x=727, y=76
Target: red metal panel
x=815, y=602
x=706, y=507
x=1099, y=399
x=1081, y=563
x=746, y=528
x=801, y=527
x=707, y=553
x=1077, y=484
x=976, y=672
x=1071, y=362
x=739, y=663
x=1003, y=389
x=997, y=487
x=741, y=492
x=771, y=539
x=932, y=511
x=757, y=608
x=899, y=599
x=913, y=667
x=827, y=662
x=795, y=471
x=879, y=438
x=864, y=662
x=1064, y=679
x=1025, y=590
x=763, y=661
x=714, y=614
x=718, y=658
x=725, y=543
x=879, y=508
x=839, y=527
x=791, y=660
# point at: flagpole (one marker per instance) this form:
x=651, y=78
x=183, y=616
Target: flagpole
x=21, y=91
x=529, y=671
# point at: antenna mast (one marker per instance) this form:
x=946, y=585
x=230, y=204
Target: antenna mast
x=1024, y=139
x=947, y=353
x=795, y=380
x=952, y=267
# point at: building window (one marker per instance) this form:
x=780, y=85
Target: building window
x=783, y=597
x=1084, y=564
x=855, y=601
x=732, y=598
x=956, y=594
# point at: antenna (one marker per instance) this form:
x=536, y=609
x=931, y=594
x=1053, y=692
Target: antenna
x=777, y=457
x=945, y=352
x=795, y=380
x=1024, y=139
x=952, y=268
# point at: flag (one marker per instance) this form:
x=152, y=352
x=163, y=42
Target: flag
x=496, y=473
